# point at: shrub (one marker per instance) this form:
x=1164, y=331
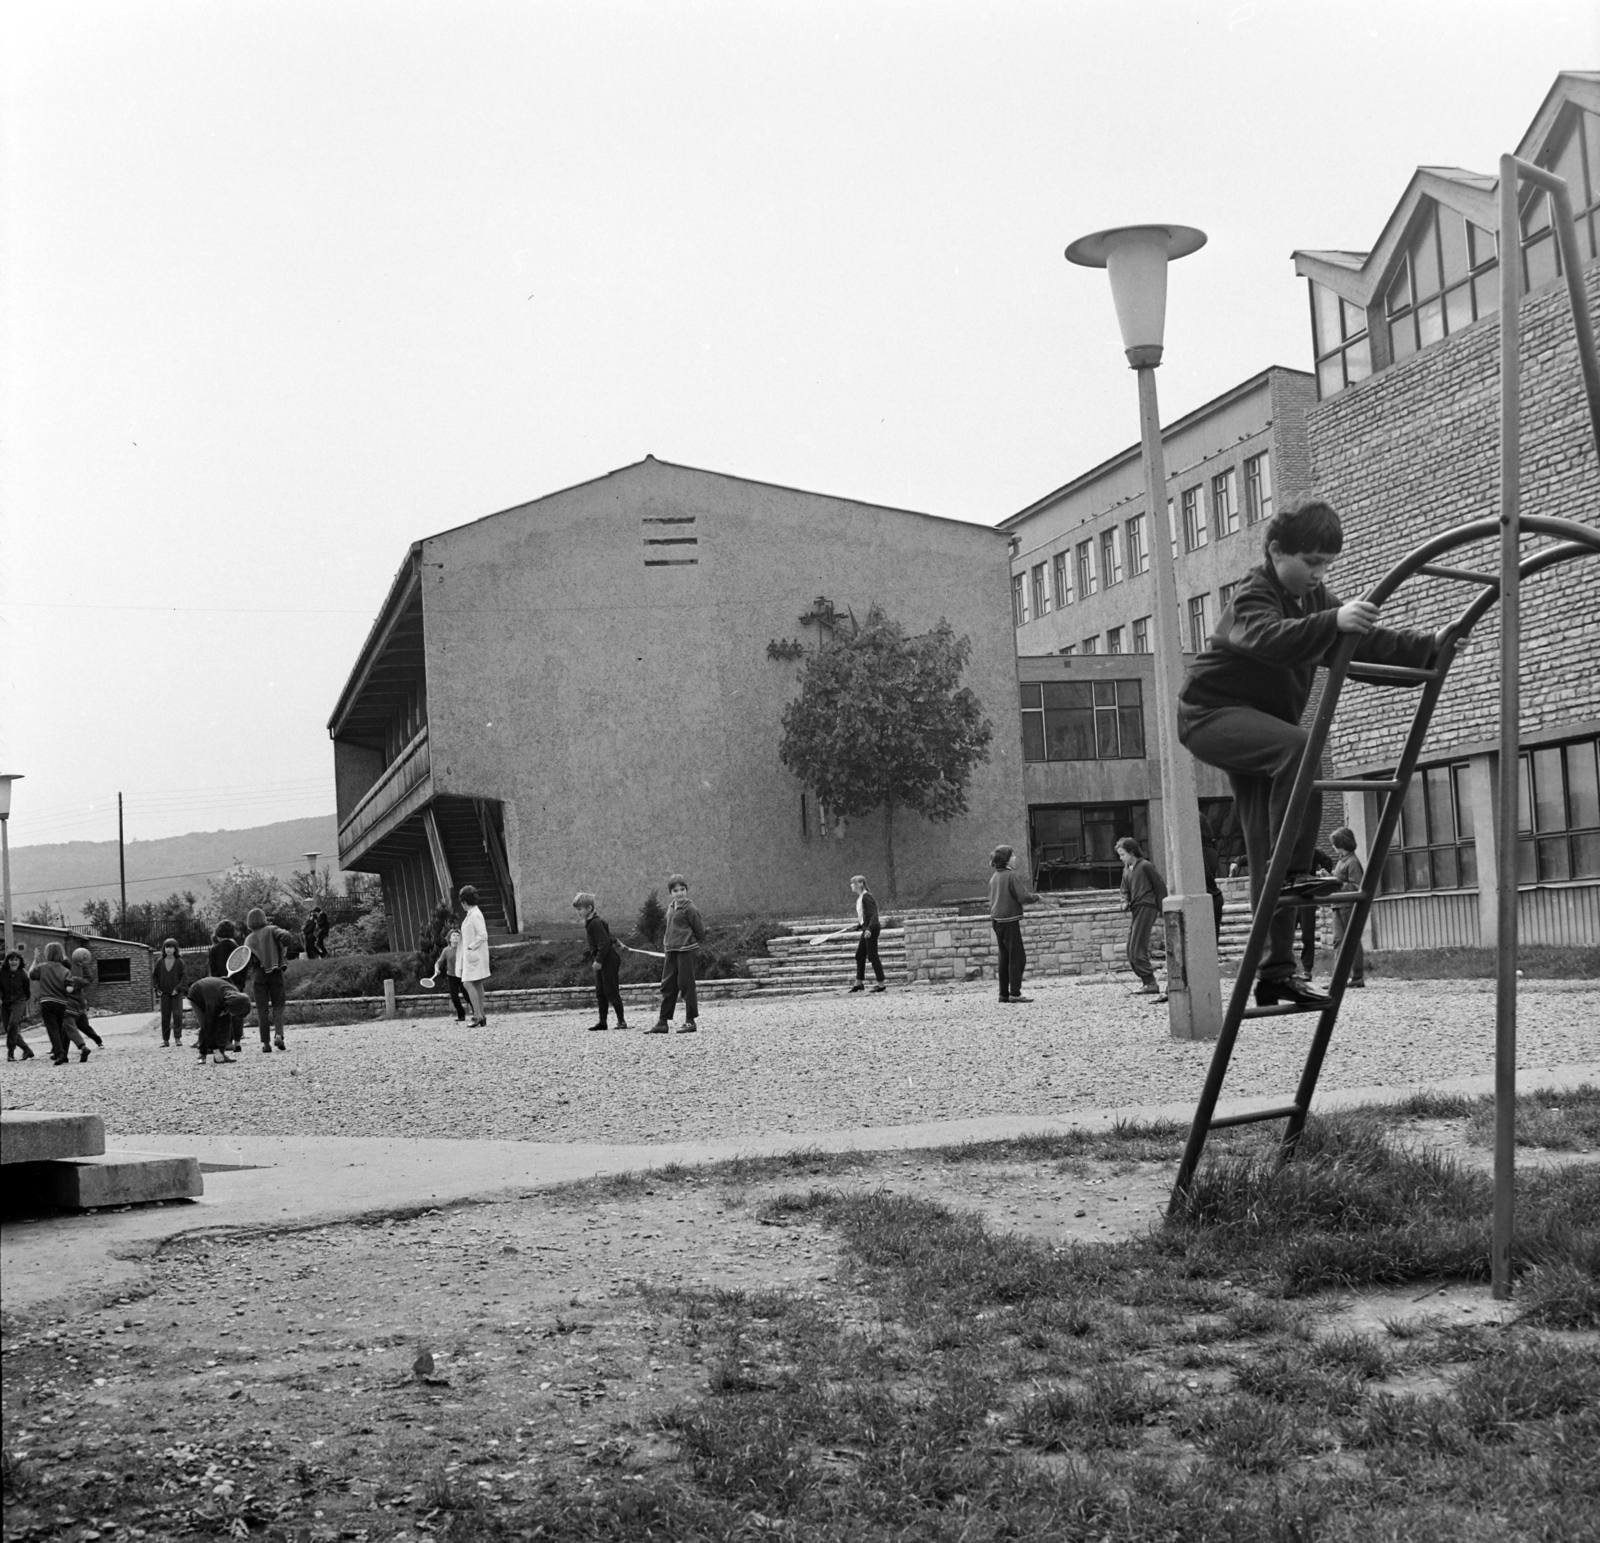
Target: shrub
x=651, y=923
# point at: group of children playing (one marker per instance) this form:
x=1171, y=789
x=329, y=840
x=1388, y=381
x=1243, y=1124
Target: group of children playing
x=63, y=1001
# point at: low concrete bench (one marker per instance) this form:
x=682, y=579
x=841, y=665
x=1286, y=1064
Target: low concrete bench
x=61, y=1160
x=34, y=1136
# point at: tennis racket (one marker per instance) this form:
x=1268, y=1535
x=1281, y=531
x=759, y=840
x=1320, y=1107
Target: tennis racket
x=830, y=936
x=427, y=980
x=239, y=958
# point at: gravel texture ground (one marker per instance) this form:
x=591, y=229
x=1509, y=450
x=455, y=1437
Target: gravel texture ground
x=801, y=1064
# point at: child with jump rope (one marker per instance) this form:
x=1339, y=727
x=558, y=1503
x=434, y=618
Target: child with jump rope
x=605, y=955
x=685, y=933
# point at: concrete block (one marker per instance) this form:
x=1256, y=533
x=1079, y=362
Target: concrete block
x=33, y=1136
x=123, y=1178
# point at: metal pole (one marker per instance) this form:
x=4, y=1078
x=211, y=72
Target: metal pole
x=1506, y=810
x=5, y=869
x=1194, y=985
x=122, y=872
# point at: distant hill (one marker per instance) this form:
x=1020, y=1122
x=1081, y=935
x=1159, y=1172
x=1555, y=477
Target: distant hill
x=68, y=873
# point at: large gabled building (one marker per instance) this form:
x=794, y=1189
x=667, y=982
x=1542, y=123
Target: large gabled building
x=1404, y=441
x=585, y=692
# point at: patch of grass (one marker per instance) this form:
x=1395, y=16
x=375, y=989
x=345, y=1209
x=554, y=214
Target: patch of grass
x=1564, y=1121
x=1536, y=961
x=1105, y=1410
x=1247, y=1434
x=1529, y=1381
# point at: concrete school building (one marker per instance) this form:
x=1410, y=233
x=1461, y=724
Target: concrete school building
x=585, y=692
x=1404, y=441
x=1081, y=601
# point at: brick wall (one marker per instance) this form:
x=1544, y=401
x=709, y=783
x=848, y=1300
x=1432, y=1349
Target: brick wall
x=1083, y=934
x=104, y=996
x=1414, y=451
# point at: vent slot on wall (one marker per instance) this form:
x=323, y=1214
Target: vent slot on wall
x=666, y=538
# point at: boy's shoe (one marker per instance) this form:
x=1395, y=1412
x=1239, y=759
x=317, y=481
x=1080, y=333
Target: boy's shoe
x=83, y=1055
x=879, y=987
x=1272, y=993
x=689, y=1028
x=1147, y=989
x=659, y=1028
x=1358, y=985
x=92, y=1035
x=223, y=1059
x=860, y=985
x=1022, y=999
x=597, y=1028
x=266, y=1049
x=1005, y=999
x=278, y=1043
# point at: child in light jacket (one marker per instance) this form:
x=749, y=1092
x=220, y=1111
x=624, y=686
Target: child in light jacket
x=681, y=940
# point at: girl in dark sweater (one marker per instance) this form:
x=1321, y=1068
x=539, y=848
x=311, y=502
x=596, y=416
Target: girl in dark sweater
x=15, y=990
x=167, y=979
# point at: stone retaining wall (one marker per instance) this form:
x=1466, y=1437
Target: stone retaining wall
x=1080, y=935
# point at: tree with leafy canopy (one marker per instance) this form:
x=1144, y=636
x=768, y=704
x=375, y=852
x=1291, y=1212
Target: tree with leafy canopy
x=883, y=722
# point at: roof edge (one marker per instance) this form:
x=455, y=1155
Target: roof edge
x=408, y=571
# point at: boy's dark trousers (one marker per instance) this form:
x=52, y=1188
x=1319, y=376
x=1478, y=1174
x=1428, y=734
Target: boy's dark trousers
x=1013, y=956
x=269, y=995
x=867, y=950
x=59, y=1025
x=171, y=1017
x=677, y=974
x=458, y=997
x=1140, y=925
x=15, y=1014
x=608, y=987
x=1261, y=755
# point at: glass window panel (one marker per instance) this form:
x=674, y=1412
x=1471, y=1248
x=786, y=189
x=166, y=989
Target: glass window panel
x=1058, y=827
x=1139, y=819
x=1425, y=261
x=1569, y=163
x=1526, y=873
x=1414, y=815
x=1129, y=692
x=1418, y=870
x=1105, y=693
x=1358, y=361
x=1130, y=723
x=1105, y=729
x=1591, y=145
x=1354, y=318
x=1458, y=308
x=1486, y=293
x=1325, y=309
x=1063, y=579
x=1549, y=796
x=1441, y=816
x=1461, y=776
x=1069, y=736
x=1100, y=835
x=1524, y=796
x=1583, y=788
x=1033, y=736
x=1467, y=858
x=1063, y=695
x=1453, y=243
x=1446, y=874
x=1542, y=267
x=1403, y=336
x=1031, y=696
x=1586, y=855
x=1430, y=323
x=1535, y=213
x=1483, y=244
x=1394, y=876
x=1399, y=295
x=1554, y=859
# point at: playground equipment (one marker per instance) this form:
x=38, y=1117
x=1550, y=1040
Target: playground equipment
x=1567, y=539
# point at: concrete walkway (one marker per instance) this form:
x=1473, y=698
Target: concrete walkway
x=298, y=1181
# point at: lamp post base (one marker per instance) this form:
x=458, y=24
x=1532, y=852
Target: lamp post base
x=1194, y=980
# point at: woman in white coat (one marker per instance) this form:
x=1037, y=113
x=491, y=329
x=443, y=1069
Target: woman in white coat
x=472, y=957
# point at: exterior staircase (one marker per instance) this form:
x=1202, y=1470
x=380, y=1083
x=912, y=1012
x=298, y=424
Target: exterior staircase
x=468, y=855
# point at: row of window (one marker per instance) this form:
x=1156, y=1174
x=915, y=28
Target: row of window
x=1122, y=550
x=1447, y=277
x=1134, y=638
x=1067, y=720
x=1558, y=823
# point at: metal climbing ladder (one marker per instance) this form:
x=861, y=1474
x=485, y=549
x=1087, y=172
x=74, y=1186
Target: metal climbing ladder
x=1569, y=540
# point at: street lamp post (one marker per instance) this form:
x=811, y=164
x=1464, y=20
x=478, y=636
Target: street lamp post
x=1135, y=258
x=6, y=779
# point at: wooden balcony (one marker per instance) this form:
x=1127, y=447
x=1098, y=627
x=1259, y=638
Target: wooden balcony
x=405, y=787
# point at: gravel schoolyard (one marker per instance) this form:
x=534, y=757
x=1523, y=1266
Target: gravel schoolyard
x=798, y=1063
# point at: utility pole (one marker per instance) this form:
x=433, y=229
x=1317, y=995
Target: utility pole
x=122, y=872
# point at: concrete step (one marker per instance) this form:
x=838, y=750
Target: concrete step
x=34, y=1136
x=120, y=1178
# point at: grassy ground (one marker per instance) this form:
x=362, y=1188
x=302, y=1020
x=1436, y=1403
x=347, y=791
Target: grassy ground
x=1537, y=961
x=907, y=1372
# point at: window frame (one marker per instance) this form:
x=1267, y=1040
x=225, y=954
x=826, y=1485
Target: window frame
x=1224, y=505
x=1138, y=548
x=1196, y=612
x=1345, y=360
x=1430, y=851
x=1112, y=716
x=1110, y=556
x=1088, y=575
x=1041, y=597
x=1258, y=488
x=1019, y=600
x=1141, y=634
x=1061, y=574
x=1194, y=518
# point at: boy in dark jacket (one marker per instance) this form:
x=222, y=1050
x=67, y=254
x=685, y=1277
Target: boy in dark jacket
x=684, y=934
x=868, y=924
x=1008, y=893
x=1143, y=890
x=1241, y=704
x=219, y=1007
x=606, y=958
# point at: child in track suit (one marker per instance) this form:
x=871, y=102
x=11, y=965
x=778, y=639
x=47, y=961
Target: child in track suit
x=685, y=931
x=1143, y=890
x=1008, y=893
x=1241, y=704
x=606, y=958
x=444, y=969
x=270, y=949
x=868, y=924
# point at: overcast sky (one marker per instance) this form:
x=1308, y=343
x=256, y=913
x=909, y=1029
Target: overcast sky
x=288, y=286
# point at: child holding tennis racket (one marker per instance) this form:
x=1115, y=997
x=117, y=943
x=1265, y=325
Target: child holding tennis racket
x=444, y=973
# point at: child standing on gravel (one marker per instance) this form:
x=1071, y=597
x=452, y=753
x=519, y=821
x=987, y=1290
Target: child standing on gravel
x=606, y=958
x=57, y=1002
x=684, y=934
x=270, y=948
x=1008, y=893
x=84, y=974
x=869, y=924
x=1349, y=871
x=1143, y=890
x=444, y=970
